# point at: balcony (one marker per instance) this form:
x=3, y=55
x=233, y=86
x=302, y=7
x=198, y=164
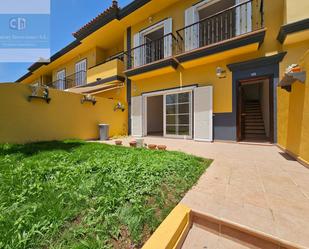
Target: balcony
x=236, y=30
x=106, y=72
x=75, y=80
x=152, y=58
x=230, y=32
x=102, y=77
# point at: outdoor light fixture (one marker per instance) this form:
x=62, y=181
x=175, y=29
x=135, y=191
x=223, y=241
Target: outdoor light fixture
x=220, y=72
x=119, y=106
x=88, y=98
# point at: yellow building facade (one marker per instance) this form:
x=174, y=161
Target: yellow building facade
x=203, y=70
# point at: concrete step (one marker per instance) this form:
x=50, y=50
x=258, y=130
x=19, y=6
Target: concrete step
x=257, y=132
x=255, y=136
x=254, y=127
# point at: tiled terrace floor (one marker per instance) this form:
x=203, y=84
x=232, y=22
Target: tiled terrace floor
x=252, y=185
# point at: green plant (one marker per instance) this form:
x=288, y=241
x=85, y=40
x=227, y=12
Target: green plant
x=73, y=194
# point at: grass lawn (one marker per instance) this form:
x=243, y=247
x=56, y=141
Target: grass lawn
x=86, y=195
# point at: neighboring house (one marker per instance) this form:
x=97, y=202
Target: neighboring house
x=204, y=70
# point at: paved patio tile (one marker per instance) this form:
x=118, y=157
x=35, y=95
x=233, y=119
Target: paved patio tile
x=256, y=186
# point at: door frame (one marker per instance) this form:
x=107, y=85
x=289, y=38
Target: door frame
x=164, y=93
x=271, y=105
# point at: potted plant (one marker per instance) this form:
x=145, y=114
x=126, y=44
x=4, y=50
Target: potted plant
x=133, y=144
x=162, y=147
x=152, y=146
x=118, y=142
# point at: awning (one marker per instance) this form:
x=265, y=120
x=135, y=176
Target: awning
x=97, y=88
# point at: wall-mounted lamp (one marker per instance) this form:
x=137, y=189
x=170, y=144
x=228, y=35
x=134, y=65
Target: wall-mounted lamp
x=88, y=98
x=119, y=106
x=220, y=72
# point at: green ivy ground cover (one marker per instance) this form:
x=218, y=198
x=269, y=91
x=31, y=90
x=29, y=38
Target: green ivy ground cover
x=74, y=194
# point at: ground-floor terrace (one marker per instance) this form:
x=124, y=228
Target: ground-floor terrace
x=255, y=186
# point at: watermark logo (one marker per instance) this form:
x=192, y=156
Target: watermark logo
x=18, y=23
x=24, y=31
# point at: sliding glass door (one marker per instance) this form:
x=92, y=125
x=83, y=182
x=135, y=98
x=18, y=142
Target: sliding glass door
x=178, y=114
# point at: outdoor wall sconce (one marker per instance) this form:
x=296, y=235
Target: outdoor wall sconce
x=293, y=73
x=88, y=98
x=35, y=94
x=119, y=106
x=220, y=72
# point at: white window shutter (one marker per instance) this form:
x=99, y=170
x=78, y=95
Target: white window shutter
x=137, y=116
x=61, y=80
x=191, y=33
x=168, y=40
x=243, y=17
x=136, y=52
x=203, y=113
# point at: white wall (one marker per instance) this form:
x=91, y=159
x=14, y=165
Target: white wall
x=155, y=114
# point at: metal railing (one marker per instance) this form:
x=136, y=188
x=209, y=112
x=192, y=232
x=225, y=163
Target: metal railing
x=151, y=51
x=229, y=23
x=74, y=80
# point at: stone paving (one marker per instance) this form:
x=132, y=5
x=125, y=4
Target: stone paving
x=256, y=186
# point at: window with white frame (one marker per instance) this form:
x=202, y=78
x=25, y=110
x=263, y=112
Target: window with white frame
x=153, y=43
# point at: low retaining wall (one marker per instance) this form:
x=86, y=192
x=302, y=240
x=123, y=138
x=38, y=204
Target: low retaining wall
x=65, y=117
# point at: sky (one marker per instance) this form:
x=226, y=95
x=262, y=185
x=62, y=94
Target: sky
x=67, y=16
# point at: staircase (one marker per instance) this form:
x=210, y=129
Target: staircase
x=254, y=125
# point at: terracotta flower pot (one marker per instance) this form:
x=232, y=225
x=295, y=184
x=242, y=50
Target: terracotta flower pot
x=133, y=144
x=162, y=147
x=152, y=146
x=118, y=142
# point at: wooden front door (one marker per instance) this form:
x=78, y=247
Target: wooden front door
x=240, y=113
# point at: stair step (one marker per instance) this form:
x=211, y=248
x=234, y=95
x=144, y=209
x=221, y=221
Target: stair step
x=253, y=110
x=259, y=132
x=252, y=127
x=255, y=136
x=255, y=118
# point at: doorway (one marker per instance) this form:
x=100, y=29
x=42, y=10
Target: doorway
x=255, y=110
x=154, y=45
x=168, y=114
x=155, y=112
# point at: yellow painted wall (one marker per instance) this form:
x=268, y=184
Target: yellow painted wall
x=90, y=55
x=202, y=75
x=106, y=70
x=295, y=10
x=206, y=74
x=119, y=94
x=293, y=107
x=64, y=118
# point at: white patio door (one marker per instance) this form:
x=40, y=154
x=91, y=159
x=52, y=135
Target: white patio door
x=203, y=113
x=178, y=115
x=80, y=72
x=61, y=80
x=137, y=116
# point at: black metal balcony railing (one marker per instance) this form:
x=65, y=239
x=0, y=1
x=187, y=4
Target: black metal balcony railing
x=74, y=80
x=234, y=21
x=151, y=51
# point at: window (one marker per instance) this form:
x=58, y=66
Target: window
x=153, y=43
x=80, y=72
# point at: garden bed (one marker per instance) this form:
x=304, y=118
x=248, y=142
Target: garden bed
x=87, y=195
